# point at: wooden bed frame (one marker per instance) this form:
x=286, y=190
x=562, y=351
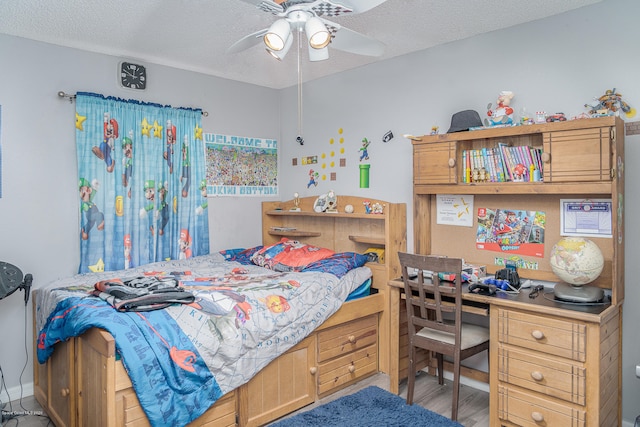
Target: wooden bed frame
x=84, y=383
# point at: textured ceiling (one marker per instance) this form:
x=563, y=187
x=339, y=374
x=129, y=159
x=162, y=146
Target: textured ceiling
x=195, y=34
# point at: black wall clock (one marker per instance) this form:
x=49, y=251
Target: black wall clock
x=132, y=76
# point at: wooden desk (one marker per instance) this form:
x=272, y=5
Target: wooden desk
x=578, y=340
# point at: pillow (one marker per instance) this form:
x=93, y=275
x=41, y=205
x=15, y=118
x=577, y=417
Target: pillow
x=338, y=264
x=241, y=255
x=289, y=255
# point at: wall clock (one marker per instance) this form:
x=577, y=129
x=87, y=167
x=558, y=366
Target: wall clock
x=132, y=76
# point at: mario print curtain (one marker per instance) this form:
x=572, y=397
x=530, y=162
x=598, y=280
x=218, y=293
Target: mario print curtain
x=140, y=183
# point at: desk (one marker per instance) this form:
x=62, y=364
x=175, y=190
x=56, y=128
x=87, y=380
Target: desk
x=568, y=342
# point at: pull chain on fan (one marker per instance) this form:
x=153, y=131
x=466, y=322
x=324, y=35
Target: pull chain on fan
x=299, y=138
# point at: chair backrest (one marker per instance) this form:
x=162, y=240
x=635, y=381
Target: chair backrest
x=430, y=299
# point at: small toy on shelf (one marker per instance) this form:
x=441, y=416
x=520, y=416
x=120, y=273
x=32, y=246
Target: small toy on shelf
x=296, y=203
x=434, y=130
x=367, y=206
x=541, y=116
x=332, y=202
x=503, y=114
x=557, y=117
x=609, y=104
x=377, y=208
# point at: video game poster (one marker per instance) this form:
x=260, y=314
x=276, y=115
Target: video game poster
x=240, y=166
x=511, y=231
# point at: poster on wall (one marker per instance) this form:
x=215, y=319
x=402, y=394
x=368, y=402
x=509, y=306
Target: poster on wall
x=511, y=231
x=241, y=166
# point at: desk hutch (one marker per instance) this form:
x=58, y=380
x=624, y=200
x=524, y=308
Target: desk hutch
x=551, y=363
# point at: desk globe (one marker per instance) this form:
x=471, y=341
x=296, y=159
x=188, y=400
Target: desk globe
x=577, y=261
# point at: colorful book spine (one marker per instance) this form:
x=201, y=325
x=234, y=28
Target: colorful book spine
x=506, y=160
x=499, y=165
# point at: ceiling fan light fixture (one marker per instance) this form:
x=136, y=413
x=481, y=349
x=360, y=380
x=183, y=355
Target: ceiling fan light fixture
x=318, y=54
x=317, y=33
x=280, y=54
x=276, y=37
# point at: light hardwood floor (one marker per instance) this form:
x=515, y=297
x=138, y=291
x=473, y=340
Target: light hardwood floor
x=473, y=410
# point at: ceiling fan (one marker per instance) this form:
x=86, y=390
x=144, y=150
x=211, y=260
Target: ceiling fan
x=308, y=16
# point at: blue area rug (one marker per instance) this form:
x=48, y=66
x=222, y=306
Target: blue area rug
x=368, y=407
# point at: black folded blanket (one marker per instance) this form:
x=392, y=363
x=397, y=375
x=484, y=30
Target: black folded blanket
x=142, y=293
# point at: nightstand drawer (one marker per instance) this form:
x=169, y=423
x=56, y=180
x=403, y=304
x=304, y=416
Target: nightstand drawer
x=347, y=338
x=553, y=377
x=528, y=410
x=560, y=337
x=345, y=369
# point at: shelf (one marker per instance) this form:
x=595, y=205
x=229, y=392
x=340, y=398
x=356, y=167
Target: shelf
x=516, y=188
x=326, y=214
x=368, y=239
x=294, y=233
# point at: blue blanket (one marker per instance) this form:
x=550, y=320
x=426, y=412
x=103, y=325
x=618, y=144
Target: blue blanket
x=157, y=355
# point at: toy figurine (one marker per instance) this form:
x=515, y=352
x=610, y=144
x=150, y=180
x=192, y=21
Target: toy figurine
x=434, y=130
x=367, y=206
x=609, y=104
x=503, y=114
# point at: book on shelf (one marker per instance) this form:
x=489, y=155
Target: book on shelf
x=283, y=228
x=499, y=162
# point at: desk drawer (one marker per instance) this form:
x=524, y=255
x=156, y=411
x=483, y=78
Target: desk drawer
x=550, y=335
x=553, y=377
x=528, y=410
x=346, y=338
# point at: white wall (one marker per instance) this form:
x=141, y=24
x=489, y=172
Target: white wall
x=555, y=64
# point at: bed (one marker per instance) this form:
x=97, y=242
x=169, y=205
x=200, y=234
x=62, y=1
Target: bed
x=217, y=359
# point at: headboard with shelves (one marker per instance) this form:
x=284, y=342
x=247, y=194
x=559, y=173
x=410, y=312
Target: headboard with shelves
x=341, y=231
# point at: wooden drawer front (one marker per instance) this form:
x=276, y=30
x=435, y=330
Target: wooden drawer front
x=553, y=377
x=578, y=155
x=528, y=410
x=549, y=335
x=347, y=338
x=431, y=163
x=222, y=413
x=346, y=369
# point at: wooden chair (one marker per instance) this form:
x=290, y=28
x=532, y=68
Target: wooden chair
x=434, y=324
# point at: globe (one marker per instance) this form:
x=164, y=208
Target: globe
x=576, y=260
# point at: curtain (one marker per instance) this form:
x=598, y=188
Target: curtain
x=141, y=183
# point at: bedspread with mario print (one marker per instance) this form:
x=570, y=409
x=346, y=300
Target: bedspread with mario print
x=181, y=359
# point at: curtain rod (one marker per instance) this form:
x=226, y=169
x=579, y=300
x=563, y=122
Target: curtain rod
x=71, y=98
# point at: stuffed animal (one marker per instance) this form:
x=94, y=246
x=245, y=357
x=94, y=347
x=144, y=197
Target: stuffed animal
x=503, y=114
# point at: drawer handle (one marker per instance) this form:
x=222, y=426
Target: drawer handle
x=451, y=162
x=313, y=370
x=64, y=392
x=352, y=369
x=537, y=417
x=352, y=339
x=536, y=375
x=537, y=334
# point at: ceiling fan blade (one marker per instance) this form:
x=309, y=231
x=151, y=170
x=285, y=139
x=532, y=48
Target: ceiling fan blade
x=350, y=41
x=360, y=6
x=267, y=5
x=247, y=41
